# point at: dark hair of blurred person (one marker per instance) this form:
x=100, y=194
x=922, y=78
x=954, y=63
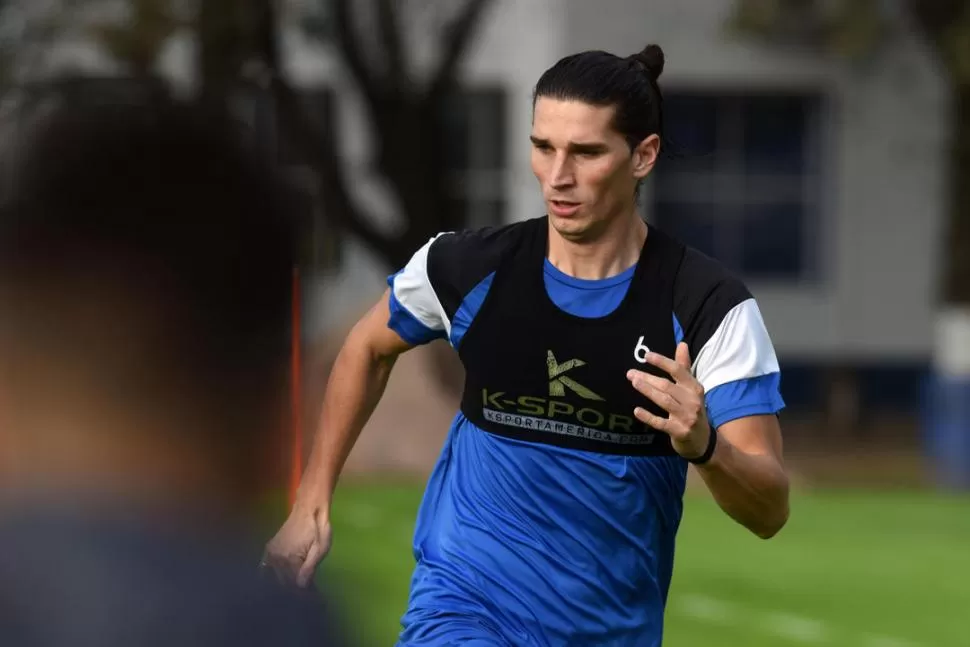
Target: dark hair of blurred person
x=145, y=265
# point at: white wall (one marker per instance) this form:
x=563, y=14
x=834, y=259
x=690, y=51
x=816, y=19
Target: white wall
x=879, y=239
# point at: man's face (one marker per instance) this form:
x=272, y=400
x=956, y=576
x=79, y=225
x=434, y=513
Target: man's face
x=585, y=168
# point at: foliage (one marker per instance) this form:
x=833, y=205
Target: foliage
x=851, y=29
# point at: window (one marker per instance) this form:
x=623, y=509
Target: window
x=741, y=180
x=475, y=122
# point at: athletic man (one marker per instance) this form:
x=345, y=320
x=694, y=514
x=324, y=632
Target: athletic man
x=601, y=357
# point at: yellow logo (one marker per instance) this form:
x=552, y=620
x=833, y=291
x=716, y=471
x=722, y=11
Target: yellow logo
x=559, y=381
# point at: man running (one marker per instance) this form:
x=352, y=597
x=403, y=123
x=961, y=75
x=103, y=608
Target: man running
x=601, y=357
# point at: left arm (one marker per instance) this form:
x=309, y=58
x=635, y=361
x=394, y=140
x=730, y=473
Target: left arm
x=732, y=386
x=746, y=474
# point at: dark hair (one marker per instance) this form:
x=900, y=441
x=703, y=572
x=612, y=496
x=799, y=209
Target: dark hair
x=156, y=205
x=603, y=79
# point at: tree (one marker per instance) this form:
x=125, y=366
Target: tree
x=132, y=37
x=404, y=110
x=857, y=30
x=239, y=42
x=235, y=38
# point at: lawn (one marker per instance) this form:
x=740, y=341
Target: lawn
x=851, y=569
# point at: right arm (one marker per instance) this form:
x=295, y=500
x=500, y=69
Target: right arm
x=355, y=387
x=409, y=314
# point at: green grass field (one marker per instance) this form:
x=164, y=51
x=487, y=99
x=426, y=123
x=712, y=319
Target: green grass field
x=850, y=570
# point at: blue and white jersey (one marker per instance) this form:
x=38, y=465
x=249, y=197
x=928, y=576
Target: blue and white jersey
x=523, y=543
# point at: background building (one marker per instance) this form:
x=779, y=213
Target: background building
x=821, y=183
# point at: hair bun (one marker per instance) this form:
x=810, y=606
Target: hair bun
x=652, y=60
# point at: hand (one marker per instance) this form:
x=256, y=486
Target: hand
x=299, y=546
x=682, y=398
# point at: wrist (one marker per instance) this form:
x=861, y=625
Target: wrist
x=318, y=510
x=705, y=457
x=312, y=499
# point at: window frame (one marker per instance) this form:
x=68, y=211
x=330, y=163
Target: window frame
x=818, y=188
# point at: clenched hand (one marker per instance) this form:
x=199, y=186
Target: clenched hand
x=299, y=546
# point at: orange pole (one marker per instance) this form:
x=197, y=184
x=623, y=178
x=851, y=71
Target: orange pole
x=296, y=391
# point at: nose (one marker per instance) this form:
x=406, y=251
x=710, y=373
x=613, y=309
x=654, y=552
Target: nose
x=562, y=176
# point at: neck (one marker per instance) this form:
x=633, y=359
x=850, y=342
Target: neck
x=610, y=253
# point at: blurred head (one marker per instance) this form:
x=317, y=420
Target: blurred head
x=596, y=126
x=145, y=270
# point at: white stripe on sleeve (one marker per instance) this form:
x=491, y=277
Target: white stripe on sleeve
x=413, y=290
x=740, y=348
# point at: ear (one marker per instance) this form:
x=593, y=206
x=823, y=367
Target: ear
x=645, y=156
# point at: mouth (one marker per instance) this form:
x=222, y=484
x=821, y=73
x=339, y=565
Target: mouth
x=563, y=208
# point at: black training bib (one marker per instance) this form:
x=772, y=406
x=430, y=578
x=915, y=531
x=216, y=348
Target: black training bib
x=539, y=374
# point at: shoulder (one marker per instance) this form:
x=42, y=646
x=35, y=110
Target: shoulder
x=427, y=293
x=721, y=321
x=459, y=260
x=733, y=355
x=705, y=292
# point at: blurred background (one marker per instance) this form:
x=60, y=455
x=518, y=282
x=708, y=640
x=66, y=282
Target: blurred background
x=820, y=148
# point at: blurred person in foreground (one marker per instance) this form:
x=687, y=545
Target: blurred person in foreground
x=602, y=357
x=145, y=267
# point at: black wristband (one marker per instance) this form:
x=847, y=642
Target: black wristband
x=709, y=452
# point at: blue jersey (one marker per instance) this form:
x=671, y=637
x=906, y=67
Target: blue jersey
x=522, y=543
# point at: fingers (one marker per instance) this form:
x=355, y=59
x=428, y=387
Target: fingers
x=282, y=568
x=682, y=356
x=683, y=402
x=308, y=569
x=296, y=551
x=669, y=366
x=679, y=369
x=662, y=392
x=667, y=395
x=652, y=420
x=677, y=426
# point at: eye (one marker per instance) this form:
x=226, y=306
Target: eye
x=589, y=153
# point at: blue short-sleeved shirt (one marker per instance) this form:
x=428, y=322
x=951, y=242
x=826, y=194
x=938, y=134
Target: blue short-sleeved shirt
x=532, y=544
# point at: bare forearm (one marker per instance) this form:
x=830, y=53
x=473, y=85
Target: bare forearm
x=354, y=389
x=751, y=488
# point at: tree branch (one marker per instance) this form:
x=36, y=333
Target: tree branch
x=457, y=37
x=318, y=146
x=389, y=26
x=348, y=41
x=266, y=37
x=321, y=149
